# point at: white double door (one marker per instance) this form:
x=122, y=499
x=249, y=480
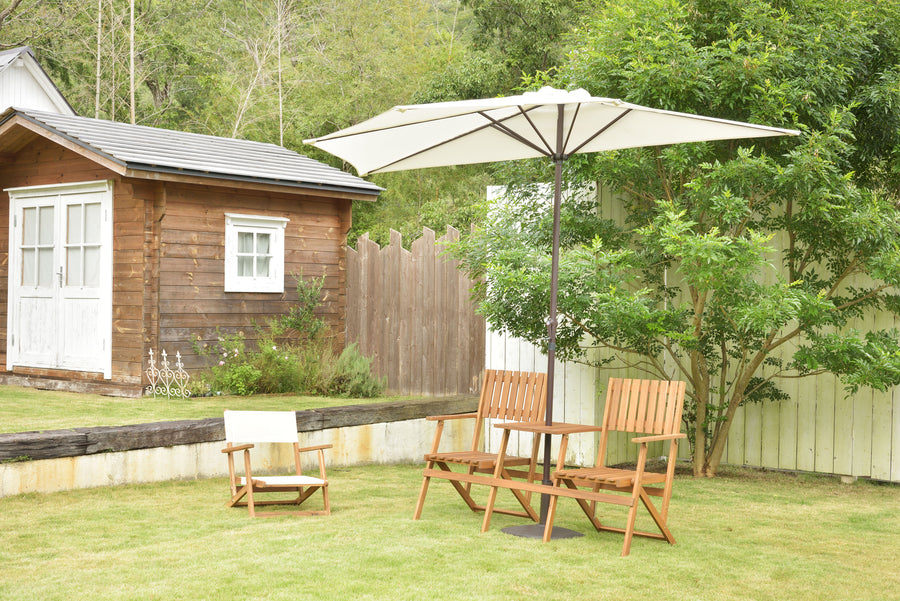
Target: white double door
x=60, y=277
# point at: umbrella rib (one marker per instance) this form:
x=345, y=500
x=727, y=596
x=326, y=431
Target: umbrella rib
x=559, y=150
x=599, y=132
x=499, y=125
x=492, y=122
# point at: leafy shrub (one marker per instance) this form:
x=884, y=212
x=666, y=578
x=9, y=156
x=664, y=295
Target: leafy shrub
x=351, y=376
x=242, y=379
x=292, y=355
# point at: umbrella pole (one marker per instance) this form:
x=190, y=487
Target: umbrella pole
x=537, y=530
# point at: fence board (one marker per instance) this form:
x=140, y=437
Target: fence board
x=413, y=316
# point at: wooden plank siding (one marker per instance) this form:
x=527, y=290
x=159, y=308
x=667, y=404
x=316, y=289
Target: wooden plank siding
x=410, y=311
x=190, y=281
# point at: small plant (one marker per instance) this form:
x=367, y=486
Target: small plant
x=302, y=317
x=351, y=376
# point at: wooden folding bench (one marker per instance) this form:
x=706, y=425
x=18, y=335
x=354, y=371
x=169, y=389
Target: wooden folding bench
x=243, y=430
x=650, y=407
x=505, y=395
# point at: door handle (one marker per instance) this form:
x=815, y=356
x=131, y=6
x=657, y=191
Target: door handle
x=60, y=275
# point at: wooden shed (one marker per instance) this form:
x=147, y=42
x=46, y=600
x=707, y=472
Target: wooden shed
x=119, y=239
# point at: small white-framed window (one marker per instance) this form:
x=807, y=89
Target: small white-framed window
x=254, y=253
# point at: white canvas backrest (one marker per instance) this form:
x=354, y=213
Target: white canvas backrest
x=260, y=426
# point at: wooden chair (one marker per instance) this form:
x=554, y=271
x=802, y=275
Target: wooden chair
x=505, y=395
x=651, y=407
x=243, y=429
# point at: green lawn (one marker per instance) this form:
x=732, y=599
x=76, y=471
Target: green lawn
x=26, y=409
x=744, y=536
x=747, y=535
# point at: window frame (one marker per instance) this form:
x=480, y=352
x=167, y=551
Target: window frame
x=257, y=224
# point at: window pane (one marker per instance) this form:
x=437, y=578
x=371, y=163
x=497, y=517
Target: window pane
x=262, y=244
x=91, y=277
x=92, y=223
x=29, y=256
x=29, y=226
x=45, y=267
x=73, y=227
x=245, y=243
x=73, y=266
x=262, y=267
x=45, y=228
x=245, y=267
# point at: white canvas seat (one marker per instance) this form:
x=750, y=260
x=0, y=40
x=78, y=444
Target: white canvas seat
x=286, y=480
x=243, y=431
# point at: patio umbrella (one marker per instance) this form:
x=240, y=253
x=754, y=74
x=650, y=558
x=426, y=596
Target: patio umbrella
x=548, y=123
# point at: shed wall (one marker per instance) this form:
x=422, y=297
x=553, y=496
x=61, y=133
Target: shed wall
x=191, y=273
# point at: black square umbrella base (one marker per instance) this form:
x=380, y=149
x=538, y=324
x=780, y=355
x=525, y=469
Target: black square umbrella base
x=537, y=531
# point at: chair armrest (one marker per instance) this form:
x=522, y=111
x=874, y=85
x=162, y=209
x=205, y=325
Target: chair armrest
x=454, y=416
x=237, y=448
x=643, y=439
x=315, y=448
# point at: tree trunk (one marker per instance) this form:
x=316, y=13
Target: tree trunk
x=701, y=390
x=99, y=54
x=714, y=458
x=131, y=62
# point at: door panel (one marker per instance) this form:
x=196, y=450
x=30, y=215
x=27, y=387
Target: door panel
x=37, y=337
x=60, y=278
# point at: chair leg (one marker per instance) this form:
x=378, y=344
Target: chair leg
x=498, y=472
x=629, y=530
x=657, y=517
x=422, y=492
x=551, y=515
x=248, y=481
x=327, y=503
x=489, y=509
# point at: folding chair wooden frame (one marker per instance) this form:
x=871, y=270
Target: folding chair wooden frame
x=505, y=395
x=243, y=430
x=651, y=407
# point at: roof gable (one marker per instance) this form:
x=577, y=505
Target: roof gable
x=24, y=83
x=149, y=152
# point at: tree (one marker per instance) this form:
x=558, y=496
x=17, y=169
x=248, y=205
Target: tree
x=7, y=11
x=507, y=39
x=737, y=266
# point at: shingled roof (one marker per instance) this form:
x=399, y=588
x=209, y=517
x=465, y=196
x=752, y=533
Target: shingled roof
x=139, y=149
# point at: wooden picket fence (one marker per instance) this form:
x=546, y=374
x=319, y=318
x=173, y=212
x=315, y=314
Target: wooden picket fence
x=411, y=312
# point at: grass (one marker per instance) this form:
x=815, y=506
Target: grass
x=745, y=535
x=27, y=409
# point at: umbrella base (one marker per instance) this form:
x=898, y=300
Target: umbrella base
x=537, y=531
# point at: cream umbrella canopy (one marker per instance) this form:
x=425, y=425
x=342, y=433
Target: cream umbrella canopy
x=548, y=123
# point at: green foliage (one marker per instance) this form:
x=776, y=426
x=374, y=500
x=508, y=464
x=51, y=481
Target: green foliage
x=214, y=68
x=433, y=198
x=306, y=367
x=729, y=251
x=302, y=317
x=292, y=354
x=351, y=376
